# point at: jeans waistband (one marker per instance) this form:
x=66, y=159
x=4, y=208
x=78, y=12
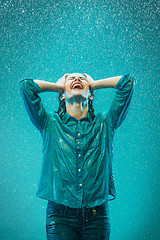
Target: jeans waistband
x=57, y=206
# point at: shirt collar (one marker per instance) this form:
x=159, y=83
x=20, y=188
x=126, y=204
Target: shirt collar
x=66, y=117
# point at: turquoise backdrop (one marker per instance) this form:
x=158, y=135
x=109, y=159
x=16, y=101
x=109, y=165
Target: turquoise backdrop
x=46, y=39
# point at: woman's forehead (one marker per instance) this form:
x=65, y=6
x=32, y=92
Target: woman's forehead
x=76, y=75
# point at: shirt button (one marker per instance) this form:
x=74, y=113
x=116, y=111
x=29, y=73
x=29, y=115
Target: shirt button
x=78, y=134
x=79, y=170
x=78, y=142
x=79, y=155
x=80, y=184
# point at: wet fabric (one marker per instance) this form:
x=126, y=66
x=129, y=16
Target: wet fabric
x=77, y=154
x=65, y=223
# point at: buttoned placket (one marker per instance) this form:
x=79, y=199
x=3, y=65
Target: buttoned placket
x=79, y=158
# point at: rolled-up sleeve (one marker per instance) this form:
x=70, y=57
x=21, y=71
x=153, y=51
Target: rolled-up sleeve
x=120, y=104
x=33, y=103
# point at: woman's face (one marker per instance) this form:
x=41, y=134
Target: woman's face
x=76, y=87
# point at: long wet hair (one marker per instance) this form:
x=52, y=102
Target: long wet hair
x=62, y=106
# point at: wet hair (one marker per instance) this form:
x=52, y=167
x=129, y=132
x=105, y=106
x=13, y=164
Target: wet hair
x=62, y=107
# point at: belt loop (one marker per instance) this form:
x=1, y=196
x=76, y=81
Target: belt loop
x=77, y=211
x=83, y=210
x=65, y=209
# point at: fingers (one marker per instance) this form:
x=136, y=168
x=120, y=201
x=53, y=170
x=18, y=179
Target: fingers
x=66, y=75
x=88, y=77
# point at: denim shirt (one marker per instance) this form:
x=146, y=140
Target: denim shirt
x=76, y=168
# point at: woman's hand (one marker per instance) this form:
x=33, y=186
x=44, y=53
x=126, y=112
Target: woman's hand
x=91, y=82
x=61, y=83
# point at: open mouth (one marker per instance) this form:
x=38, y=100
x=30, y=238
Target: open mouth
x=77, y=86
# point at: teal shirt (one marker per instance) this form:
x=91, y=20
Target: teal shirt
x=76, y=166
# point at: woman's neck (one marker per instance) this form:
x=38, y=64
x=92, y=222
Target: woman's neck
x=77, y=110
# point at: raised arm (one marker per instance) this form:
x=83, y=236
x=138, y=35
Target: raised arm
x=119, y=107
x=106, y=83
x=32, y=101
x=30, y=90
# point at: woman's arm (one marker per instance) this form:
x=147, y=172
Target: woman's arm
x=52, y=87
x=30, y=93
x=46, y=86
x=30, y=90
x=125, y=88
x=105, y=83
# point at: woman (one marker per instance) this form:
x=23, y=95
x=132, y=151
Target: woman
x=76, y=177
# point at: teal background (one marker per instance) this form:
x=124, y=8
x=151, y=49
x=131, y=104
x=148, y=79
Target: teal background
x=45, y=40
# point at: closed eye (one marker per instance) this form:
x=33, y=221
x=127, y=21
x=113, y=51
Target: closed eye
x=79, y=77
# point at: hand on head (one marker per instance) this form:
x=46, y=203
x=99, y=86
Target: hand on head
x=61, y=82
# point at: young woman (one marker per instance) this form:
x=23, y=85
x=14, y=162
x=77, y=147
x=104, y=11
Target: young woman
x=76, y=176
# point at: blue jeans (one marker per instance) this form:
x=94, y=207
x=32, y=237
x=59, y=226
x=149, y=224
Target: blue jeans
x=65, y=223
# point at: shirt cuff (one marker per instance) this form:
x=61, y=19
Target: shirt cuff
x=35, y=86
x=123, y=80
